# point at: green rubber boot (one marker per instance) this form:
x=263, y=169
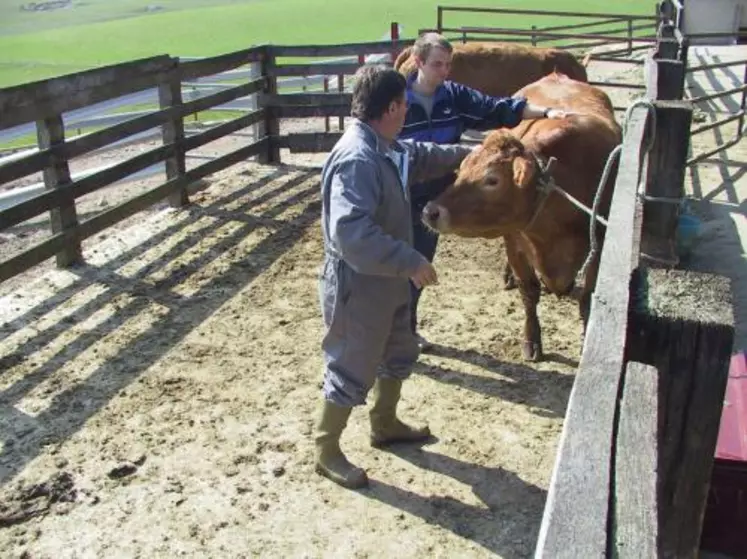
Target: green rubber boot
x=330, y=461
x=386, y=428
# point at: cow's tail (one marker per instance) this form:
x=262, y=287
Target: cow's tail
x=401, y=57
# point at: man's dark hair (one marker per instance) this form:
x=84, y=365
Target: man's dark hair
x=376, y=86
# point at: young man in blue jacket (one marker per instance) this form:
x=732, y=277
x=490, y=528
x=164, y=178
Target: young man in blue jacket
x=439, y=110
x=368, y=264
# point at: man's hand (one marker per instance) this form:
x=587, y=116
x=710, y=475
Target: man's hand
x=559, y=114
x=424, y=275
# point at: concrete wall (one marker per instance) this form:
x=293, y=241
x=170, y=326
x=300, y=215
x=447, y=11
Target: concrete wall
x=714, y=16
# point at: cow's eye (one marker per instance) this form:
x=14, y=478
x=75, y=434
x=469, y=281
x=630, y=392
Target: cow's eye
x=491, y=180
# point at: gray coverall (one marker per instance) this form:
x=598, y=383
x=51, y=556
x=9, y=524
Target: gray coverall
x=368, y=257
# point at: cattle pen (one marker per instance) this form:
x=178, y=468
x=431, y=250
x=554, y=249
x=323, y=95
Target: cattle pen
x=634, y=459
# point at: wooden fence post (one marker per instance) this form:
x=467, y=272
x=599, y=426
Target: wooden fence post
x=682, y=324
x=272, y=125
x=665, y=184
x=665, y=79
x=170, y=95
x=50, y=133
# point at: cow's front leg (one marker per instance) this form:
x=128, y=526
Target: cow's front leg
x=587, y=290
x=529, y=287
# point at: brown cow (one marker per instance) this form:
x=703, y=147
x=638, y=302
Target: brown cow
x=498, y=192
x=501, y=69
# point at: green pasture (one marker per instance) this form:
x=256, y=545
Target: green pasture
x=90, y=33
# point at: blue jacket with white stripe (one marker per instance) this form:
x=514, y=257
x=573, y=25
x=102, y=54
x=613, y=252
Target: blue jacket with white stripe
x=456, y=108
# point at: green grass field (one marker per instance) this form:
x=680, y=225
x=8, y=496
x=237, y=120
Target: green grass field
x=37, y=45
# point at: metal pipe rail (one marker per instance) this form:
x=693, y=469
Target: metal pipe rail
x=532, y=33
x=442, y=9
x=711, y=126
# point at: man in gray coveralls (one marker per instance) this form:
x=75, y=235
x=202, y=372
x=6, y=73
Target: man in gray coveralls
x=368, y=260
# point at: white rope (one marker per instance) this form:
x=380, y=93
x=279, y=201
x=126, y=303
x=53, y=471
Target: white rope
x=594, y=248
x=547, y=185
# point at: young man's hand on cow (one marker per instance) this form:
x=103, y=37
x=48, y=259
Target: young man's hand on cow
x=534, y=111
x=559, y=113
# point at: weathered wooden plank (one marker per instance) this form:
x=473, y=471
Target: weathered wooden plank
x=575, y=518
x=43, y=202
x=307, y=99
x=311, y=142
x=100, y=138
x=224, y=129
x=147, y=199
x=19, y=263
x=51, y=132
x=635, y=514
x=47, y=98
x=315, y=69
x=666, y=179
x=306, y=112
x=682, y=323
x=170, y=95
x=192, y=69
x=351, y=49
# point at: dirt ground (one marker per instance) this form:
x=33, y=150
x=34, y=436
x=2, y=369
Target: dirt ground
x=158, y=400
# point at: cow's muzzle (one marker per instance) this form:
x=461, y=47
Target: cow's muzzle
x=435, y=217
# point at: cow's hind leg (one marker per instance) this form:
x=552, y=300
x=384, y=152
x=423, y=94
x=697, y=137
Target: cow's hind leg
x=529, y=287
x=509, y=281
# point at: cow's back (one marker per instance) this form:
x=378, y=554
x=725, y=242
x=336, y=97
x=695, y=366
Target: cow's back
x=581, y=144
x=501, y=69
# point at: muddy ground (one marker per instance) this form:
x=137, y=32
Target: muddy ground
x=158, y=400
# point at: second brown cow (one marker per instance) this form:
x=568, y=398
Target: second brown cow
x=501, y=69
x=500, y=191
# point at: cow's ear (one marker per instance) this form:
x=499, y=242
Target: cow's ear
x=523, y=172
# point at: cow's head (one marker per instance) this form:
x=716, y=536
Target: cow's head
x=494, y=193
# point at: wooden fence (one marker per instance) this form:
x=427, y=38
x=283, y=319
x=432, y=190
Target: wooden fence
x=633, y=467
x=44, y=102
x=634, y=458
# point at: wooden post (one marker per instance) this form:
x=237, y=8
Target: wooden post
x=664, y=79
x=272, y=125
x=170, y=95
x=665, y=183
x=630, y=36
x=341, y=89
x=394, y=36
x=50, y=133
x=682, y=324
x=325, y=83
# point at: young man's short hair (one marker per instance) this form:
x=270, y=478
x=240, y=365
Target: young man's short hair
x=429, y=41
x=376, y=87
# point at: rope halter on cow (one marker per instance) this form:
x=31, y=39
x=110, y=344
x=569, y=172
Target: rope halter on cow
x=546, y=185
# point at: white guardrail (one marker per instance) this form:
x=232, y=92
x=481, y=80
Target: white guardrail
x=102, y=115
